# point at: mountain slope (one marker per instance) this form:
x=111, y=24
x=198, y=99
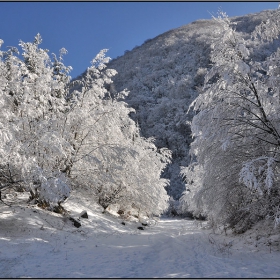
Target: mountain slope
x=164, y=76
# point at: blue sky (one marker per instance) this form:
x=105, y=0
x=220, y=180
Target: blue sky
x=84, y=28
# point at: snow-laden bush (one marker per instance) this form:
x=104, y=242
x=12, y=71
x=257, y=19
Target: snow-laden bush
x=51, y=189
x=188, y=203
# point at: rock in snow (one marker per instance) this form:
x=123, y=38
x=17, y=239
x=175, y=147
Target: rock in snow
x=84, y=215
x=76, y=223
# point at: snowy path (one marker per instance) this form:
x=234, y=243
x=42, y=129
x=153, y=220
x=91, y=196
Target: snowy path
x=37, y=243
x=34, y=243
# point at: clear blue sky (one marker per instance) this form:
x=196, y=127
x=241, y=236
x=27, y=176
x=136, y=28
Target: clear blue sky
x=84, y=28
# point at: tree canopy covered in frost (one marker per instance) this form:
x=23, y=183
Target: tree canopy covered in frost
x=58, y=134
x=235, y=180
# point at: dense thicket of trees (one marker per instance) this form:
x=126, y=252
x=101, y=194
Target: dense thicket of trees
x=58, y=134
x=234, y=179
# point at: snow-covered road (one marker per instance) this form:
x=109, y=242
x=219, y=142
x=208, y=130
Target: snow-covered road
x=35, y=244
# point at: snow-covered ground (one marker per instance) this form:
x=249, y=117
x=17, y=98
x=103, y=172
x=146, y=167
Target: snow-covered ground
x=37, y=243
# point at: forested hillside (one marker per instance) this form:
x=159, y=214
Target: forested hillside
x=164, y=75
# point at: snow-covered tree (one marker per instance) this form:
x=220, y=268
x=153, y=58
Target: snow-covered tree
x=237, y=127
x=110, y=156
x=57, y=135
x=32, y=118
